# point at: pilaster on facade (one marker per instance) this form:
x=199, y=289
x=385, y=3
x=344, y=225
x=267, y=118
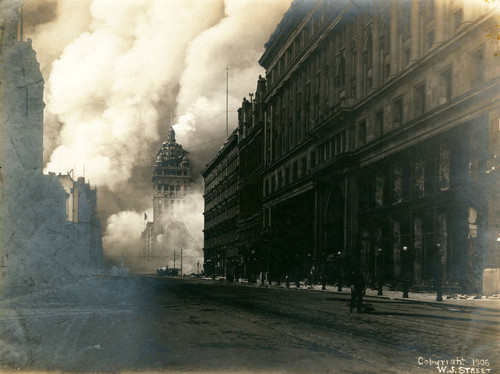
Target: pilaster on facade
x=221, y=211
x=376, y=129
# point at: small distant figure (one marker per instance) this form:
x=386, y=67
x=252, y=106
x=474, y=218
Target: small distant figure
x=357, y=290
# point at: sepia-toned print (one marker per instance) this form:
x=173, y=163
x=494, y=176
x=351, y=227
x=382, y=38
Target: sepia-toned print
x=250, y=186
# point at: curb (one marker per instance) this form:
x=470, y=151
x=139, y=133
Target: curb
x=399, y=299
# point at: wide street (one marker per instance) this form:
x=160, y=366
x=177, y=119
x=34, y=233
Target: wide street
x=141, y=323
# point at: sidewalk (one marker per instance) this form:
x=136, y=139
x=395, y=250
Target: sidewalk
x=470, y=301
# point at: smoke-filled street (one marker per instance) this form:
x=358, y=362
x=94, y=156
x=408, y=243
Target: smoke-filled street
x=149, y=323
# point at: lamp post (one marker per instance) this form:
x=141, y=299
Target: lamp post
x=253, y=261
x=297, y=272
x=405, y=271
x=439, y=273
x=309, y=270
x=287, y=275
x=339, y=271
x=323, y=272
x=262, y=274
x=379, y=271
x=498, y=249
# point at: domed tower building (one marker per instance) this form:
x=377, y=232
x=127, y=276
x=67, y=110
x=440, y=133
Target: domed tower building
x=166, y=237
x=171, y=183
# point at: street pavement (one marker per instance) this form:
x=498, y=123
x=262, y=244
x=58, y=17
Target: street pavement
x=152, y=324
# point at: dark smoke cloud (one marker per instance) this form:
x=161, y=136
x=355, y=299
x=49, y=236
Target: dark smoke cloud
x=39, y=12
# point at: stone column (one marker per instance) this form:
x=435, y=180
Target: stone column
x=417, y=248
x=491, y=273
x=394, y=39
x=348, y=58
x=396, y=249
x=360, y=80
x=332, y=68
x=376, y=48
x=397, y=182
x=442, y=221
x=314, y=71
x=317, y=213
x=469, y=11
x=439, y=22
x=322, y=91
x=351, y=212
x=414, y=30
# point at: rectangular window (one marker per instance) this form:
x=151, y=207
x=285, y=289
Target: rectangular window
x=313, y=158
x=321, y=153
x=387, y=71
x=379, y=123
x=458, y=18
x=352, y=138
x=397, y=112
x=406, y=57
x=287, y=175
x=477, y=68
x=445, y=86
x=430, y=39
x=295, y=172
x=304, y=166
x=362, y=134
x=419, y=100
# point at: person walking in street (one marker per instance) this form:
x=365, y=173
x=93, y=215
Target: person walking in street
x=357, y=290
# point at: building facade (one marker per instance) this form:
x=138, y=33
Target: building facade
x=381, y=129
x=252, y=243
x=167, y=235
x=380, y=136
x=221, y=256
x=172, y=183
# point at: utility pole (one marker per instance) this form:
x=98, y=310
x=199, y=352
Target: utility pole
x=227, y=94
x=181, y=262
x=174, y=258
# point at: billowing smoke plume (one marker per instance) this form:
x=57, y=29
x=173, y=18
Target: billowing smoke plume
x=236, y=43
x=116, y=71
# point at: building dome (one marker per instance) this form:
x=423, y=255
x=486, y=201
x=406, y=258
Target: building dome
x=170, y=157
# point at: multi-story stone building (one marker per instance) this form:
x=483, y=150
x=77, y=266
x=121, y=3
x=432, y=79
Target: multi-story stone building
x=172, y=183
x=252, y=244
x=381, y=132
x=221, y=212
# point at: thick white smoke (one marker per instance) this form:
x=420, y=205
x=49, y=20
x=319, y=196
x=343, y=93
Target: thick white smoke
x=108, y=83
x=236, y=43
x=114, y=72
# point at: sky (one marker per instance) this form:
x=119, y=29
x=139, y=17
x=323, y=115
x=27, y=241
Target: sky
x=119, y=73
